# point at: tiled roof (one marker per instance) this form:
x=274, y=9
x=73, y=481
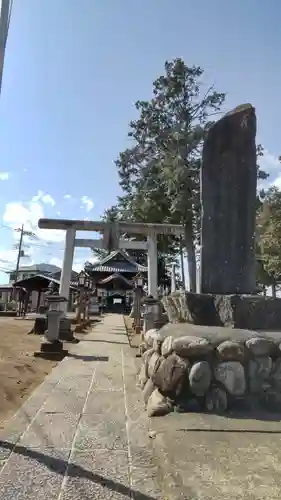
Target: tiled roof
x=119, y=269
x=42, y=276
x=40, y=268
x=113, y=277
x=110, y=264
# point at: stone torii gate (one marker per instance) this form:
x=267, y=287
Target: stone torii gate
x=111, y=241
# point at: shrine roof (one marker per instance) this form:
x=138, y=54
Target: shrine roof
x=39, y=282
x=118, y=262
x=115, y=277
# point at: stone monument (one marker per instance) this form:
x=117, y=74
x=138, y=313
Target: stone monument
x=228, y=200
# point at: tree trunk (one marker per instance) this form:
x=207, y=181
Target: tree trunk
x=191, y=260
x=273, y=288
x=182, y=264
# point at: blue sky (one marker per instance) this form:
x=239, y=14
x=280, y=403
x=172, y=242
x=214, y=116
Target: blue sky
x=73, y=70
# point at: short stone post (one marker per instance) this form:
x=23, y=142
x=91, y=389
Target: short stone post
x=52, y=347
x=152, y=313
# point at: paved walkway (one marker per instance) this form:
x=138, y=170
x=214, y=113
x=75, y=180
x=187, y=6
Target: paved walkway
x=83, y=433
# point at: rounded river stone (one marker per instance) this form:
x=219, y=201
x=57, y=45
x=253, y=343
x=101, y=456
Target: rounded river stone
x=216, y=400
x=192, y=346
x=200, y=377
x=167, y=346
x=230, y=350
x=260, y=346
x=259, y=371
x=231, y=374
x=276, y=374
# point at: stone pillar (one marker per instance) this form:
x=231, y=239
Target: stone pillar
x=228, y=197
x=152, y=263
x=173, y=278
x=67, y=266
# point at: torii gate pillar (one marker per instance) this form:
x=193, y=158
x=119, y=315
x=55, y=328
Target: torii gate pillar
x=67, y=265
x=152, y=264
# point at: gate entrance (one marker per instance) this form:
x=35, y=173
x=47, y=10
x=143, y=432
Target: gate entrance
x=111, y=241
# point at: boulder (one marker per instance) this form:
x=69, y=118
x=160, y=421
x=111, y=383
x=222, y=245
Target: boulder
x=142, y=376
x=148, y=390
x=200, y=377
x=169, y=375
x=150, y=336
x=190, y=347
x=167, y=346
x=146, y=358
x=260, y=346
x=158, y=405
x=216, y=400
x=215, y=334
x=276, y=374
x=232, y=376
x=259, y=371
x=157, y=346
x=231, y=350
x=153, y=364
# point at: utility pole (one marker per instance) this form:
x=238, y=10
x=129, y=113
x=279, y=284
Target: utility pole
x=19, y=252
x=5, y=14
x=19, y=246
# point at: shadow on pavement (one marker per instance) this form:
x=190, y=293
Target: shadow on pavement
x=61, y=466
x=88, y=358
x=105, y=341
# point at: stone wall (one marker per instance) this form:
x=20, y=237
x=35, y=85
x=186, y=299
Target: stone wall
x=237, y=311
x=188, y=367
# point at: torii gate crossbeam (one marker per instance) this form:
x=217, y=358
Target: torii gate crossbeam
x=148, y=230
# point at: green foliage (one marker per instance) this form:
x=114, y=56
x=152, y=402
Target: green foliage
x=159, y=173
x=269, y=235
x=262, y=175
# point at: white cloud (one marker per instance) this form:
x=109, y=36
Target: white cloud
x=87, y=203
x=17, y=213
x=277, y=182
x=78, y=262
x=46, y=198
x=271, y=165
x=67, y=196
x=269, y=162
x=25, y=170
x=8, y=258
x=4, y=176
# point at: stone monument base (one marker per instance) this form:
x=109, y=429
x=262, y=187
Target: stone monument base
x=52, y=351
x=65, y=332
x=251, y=312
x=212, y=369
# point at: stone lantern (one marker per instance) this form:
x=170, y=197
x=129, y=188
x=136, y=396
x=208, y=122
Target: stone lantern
x=52, y=347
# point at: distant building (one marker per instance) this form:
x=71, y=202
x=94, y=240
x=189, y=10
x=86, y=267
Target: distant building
x=114, y=276
x=26, y=273
x=29, y=271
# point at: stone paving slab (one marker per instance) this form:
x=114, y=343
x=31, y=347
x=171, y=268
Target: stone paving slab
x=83, y=433
x=210, y=456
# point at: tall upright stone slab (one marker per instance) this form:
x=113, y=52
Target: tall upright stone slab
x=228, y=197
